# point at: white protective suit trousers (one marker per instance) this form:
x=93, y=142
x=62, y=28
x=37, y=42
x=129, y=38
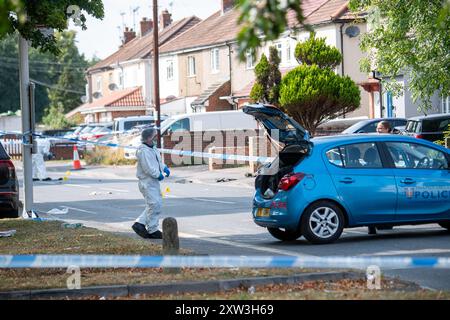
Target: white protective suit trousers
x=39, y=170
x=150, y=189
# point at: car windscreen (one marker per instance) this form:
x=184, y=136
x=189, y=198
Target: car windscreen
x=413, y=126
x=354, y=128
x=130, y=124
x=3, y=154
x=87, y=129
x=435, y=125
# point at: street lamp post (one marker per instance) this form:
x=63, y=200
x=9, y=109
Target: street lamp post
x=156, y=96
x=27, y=148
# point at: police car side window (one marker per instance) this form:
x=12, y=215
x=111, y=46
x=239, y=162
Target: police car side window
x=361, y=155
x=416, y=156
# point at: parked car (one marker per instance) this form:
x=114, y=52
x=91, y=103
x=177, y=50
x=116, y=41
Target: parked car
x=76, y=132
x=9, y=187
x=99, y=130
x=430, y=127
x=205, y=121
x=370, y=125
x=122, y=125
x=317, y=187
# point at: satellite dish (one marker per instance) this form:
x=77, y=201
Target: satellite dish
x=83, y=99
x=113, y=87
x=352, y=31
x=170, y=98
x=97, y=95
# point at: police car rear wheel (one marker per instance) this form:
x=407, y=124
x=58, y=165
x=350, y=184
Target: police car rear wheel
x=285, y=234
x=445, y=225
x=322, y=222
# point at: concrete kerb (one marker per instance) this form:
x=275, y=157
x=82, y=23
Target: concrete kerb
x=178, y=288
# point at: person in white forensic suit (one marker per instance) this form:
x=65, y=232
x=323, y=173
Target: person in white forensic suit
x=150, y=171
x=38, y=163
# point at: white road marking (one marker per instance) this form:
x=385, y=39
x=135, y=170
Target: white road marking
x=244, y=245
x=407, y=252
x=215, y=201
x=115, y=190
x=77, y=185
x=80, y=210
x=210, y=232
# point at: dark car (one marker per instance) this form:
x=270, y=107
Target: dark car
x=370, y=125
x=430, y=127
x=9, y=187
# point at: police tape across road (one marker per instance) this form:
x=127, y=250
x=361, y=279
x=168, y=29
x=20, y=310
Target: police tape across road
x=181, y=153
x=118, y=261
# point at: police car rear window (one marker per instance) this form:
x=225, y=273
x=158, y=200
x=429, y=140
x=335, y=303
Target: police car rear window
x=435, y=125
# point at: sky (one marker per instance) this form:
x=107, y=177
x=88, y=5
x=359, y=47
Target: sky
x=102, y=37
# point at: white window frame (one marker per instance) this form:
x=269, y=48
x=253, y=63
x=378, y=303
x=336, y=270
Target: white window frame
x=98, y=84
x=170, y=70
x=288, y=51
x=121, y=79
x=215, y=60
x=191, y=67
x=279, y=47
x=250, y=60
x=445, y=104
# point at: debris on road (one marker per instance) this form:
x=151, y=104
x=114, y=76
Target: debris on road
x=225, y=180
x=184, y=181
x=98, y=193
x=72, y=225
x=7, y=234
x=56, y=211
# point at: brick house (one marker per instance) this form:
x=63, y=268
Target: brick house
x=122, y=84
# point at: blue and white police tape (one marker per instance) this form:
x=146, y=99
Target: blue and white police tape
x=117, y=261
x=181, y=153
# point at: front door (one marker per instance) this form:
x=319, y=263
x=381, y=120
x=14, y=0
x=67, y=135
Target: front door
x=365, y=186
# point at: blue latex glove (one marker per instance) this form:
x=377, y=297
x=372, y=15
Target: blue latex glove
x=167, y=171
x=161, y=177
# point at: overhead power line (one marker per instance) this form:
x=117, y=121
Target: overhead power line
x=55, y=87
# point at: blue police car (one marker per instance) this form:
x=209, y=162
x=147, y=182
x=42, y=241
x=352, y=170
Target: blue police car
x=317, y=187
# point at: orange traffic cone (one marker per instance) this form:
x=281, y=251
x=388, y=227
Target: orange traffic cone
x=76, y=159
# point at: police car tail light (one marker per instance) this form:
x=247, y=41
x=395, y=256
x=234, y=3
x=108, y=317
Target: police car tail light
x=290, y=180
x=419, y=136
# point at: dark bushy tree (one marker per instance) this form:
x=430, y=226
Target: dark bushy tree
x=313, y=93
x=268, y=79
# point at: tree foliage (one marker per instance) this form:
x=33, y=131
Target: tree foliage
x=313, y=93
x=28, y=16
x=268, y=79
x=60, y=78
x=410, y=37
x=316, y=51
x=264, y=20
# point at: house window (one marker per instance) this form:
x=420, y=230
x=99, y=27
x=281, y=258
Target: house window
x=98, y=84
x=121, y=79
x=191, y=66
x=445, y=104
x=288, y=52
x=169, y=70
x=279, y=47
x=250, y=59
x=110, y=78
x=215, y=60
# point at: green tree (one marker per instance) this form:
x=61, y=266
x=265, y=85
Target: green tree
x=412, y=38
x=264, y=20
x=27, y=16
x=316, y=51
x=55, y=117
x=268, y=79
x=312, y=94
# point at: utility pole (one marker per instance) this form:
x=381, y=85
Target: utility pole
x=27, y=126
x=156, y=98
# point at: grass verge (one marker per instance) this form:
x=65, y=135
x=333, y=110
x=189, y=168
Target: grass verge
x=51, y=238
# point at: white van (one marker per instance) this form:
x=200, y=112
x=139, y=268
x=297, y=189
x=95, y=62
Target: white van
x=125, y=124
x=205, y=121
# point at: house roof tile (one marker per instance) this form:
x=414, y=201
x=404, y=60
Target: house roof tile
x=130, y=97
x=142, y=47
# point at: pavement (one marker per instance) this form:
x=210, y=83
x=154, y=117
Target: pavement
x=215, y=217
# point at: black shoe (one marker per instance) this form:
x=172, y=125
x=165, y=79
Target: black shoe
x=141, y=231
x=155, y=235
x=35, y=179
x=372, y=230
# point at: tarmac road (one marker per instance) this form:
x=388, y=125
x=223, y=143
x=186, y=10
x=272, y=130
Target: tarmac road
x=215, y=218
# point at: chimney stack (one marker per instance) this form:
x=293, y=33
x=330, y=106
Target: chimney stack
x=146, y=26
x=227, y=5
x=165, y=19
x=128, y=35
